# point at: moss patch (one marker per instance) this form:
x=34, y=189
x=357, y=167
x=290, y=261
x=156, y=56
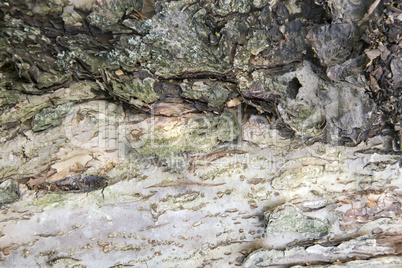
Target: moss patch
x=198, y=134
x=50, y=117
x=215, y=95
x=8, y=191
x=142, y=90
x=288, y=219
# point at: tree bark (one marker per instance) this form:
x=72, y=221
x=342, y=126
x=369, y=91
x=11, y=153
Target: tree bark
x=200, y=134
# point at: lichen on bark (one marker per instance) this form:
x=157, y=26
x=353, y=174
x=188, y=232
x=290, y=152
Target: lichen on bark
x=188, y=134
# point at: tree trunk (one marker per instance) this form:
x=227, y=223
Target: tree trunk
x=200, y=133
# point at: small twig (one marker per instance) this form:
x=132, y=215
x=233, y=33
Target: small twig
x=369, y=12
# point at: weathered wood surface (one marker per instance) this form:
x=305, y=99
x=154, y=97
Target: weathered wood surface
x=200, y=134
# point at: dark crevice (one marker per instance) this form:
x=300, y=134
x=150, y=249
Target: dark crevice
x=228, y=77
x=293, y=88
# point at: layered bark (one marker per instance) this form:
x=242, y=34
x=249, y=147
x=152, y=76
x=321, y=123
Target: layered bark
x=193, y=134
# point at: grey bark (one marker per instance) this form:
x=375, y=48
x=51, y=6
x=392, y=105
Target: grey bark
x=200, y=134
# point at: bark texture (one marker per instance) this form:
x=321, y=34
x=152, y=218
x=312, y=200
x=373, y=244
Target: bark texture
x=200, y=133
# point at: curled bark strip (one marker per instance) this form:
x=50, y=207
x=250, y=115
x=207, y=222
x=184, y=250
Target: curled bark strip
x=174, y=184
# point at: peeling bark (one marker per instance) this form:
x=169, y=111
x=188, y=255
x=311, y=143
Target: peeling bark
x=200, y=134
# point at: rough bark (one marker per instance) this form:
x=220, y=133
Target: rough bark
x=200, y=133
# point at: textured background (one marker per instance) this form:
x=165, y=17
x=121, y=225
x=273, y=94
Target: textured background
x=200, y=134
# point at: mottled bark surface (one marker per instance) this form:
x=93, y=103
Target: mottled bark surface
x=200, y=133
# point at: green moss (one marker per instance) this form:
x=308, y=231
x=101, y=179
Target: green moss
x=198, y=134
x=55, y=200
x=171, y=143
x=76, y=92
x=127, y=170
x=68, y=200
x=24, y=113
x=3, y=43
x=6, y=171
x=258, y=42
x=50, y=117
x=142, y=90
x=8, y=98
x=106, y=16
x=290, y=219
x=306, y=120
x=8, y=191
x=47, y=80
x=78, y=48
x=214, y=94
x=264, y=257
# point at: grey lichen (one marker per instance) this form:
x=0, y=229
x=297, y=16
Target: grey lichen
x=176, y=40
x=229, y=6
x=332, y=43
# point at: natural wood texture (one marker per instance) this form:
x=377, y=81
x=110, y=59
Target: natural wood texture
x=200, y=134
